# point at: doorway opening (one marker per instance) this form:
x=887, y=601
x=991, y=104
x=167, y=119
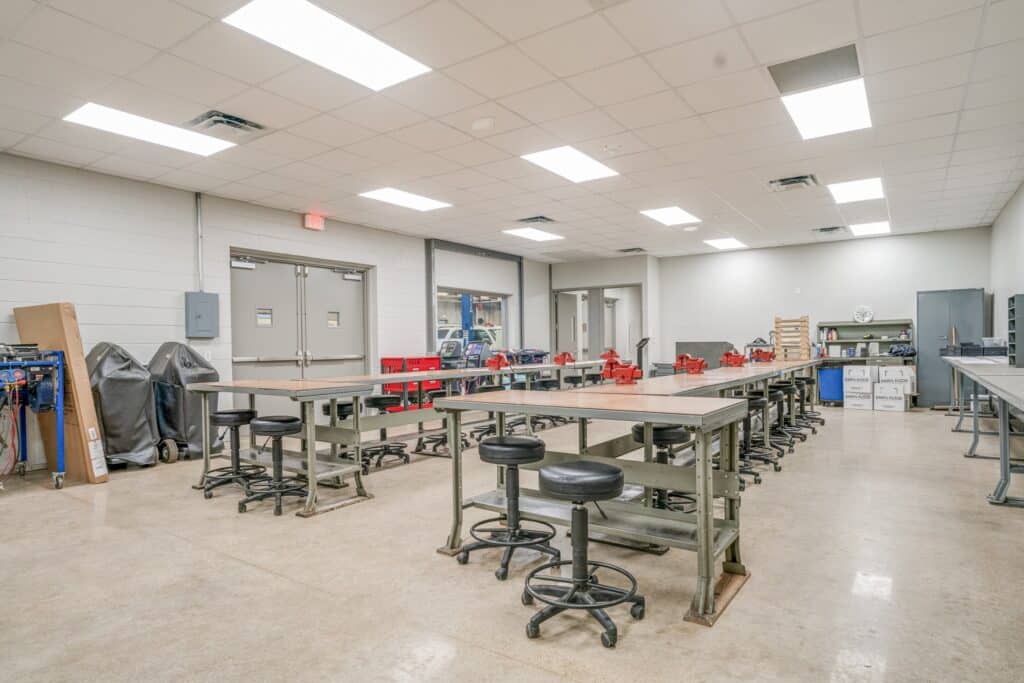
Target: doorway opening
x=471, y=316
x=588, y=322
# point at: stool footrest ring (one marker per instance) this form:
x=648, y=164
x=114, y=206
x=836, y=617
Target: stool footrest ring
x=569, y=588
x=505, y=537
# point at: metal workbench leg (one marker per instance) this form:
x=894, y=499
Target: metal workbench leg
x=334, y=423
x=455, y=449
x=704, y=599
x=648, y=457
x=730, y=444
x=252, y=407
x=1006, y=468
x=766, y=423
x=499, y=430
x=309, y=445
x=581, y=432
x=357, y=446
x=204, y=400
x=973, y=448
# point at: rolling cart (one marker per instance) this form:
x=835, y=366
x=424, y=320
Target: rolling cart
x=33, y=380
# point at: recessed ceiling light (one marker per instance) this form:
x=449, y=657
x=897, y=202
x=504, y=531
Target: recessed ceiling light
x=726, y=243
x=570, y=163
x=857, y=190
x=406, y=199
x=833, y=109
x=315, y=34
x=865, y=229
x=671, y=215
x=534, y=234
x=138, y=127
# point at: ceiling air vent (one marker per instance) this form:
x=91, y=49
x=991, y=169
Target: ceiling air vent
x=226, y=126
x=632, y=250
x=829, y=230
x=535, y=219
x=792, y=183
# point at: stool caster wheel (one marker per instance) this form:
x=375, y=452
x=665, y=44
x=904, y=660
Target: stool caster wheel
x=533, y=631
x=757, y=479
x=609, y=639
x=462, y=558
x=501, y=573
x=743, y=485
x=241, y=508
x=638, y=610
x=790, y=450
x=207, y=495
x=813, y=430
x=58, y=479
x=527, y=599
x=777, y=467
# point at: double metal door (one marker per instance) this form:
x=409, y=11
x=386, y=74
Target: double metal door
x=293, y=321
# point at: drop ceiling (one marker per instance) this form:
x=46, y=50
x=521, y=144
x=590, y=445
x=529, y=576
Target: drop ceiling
x=674, y=95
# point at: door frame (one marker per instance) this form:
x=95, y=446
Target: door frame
x=553, y=309
x=369, y=287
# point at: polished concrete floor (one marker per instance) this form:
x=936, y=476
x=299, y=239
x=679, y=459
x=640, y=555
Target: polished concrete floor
x=873, y=554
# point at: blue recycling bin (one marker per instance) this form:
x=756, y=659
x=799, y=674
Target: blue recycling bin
x=830, y=384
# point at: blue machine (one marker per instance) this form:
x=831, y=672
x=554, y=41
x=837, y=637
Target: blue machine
x=31, y=379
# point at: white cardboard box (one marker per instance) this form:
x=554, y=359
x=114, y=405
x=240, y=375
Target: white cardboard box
x=905, y=375
x=861, y=372
x=858, y=401
x=857, y=386
x=890, y=397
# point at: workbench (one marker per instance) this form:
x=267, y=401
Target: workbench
x=315, y=468
x=1006, y=384
x=633, y=520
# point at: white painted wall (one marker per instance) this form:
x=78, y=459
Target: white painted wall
x=1007, y=259
x=536, y=306
x=735, y=296
x=469, y=272
x=627, y=270
x=628, y=318
x=123, y=252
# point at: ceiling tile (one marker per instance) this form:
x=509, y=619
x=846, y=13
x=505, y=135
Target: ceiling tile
x=13, y=13
x=707, y=57
x=382, y=148
x=754, y=115
x=21, y=120
x=614, y=146
x=879, y=16
x=234, y=53
x=522, y=18
x=999, y=60
x=748, y=10
x=219, y=168
x=803, y=31
x=342, y=161
x=56, y=74
x=379, y=113
x=996, y=91
x=83, y=136
x=924, y=42
x=331, y=130
x=917, y=106
x=188, y=180
x=215, y=9
x=620, y=82
x=144, y=101
x=995, y=116
x=430, y=135
x=428, y=165
x=439, y=35
x=731, y=90
x=652, y=24
x=248, y=157
x=473, y=153
x=434, y=94
x=561, y=50
x=266, y=108
x=499, y=120
x=157, y=154
x=127, y=168
x=546, y=102
x=370, y=15
x=176, y=76
x=590, y=124
x=316, y=87
x=287, y=145
x=500, y=72
x=524, y=140
x=245, y=193
x=1004, y=22
x=920, y=78
x=67, y=36
x=675, y=132
x=651, y=110
x=463, y=179
x=159, y=23
x=980, y=154
x=60, y=152
x=508, y=169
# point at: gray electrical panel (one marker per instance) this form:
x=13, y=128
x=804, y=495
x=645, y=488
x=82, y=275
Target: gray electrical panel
x=202, y=315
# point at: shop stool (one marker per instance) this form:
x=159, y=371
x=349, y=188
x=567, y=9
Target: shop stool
x=594, y=377
x=278, y=486
x=664, y=438
x=236, y=472
x=775, y=442
x=807, y=385
x=510, y=452
x=574, y=381
x=385, y=449
x=786, y=423
x=748, y=452
x=580, y=482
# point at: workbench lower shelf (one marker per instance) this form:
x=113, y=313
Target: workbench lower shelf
x=645, y=525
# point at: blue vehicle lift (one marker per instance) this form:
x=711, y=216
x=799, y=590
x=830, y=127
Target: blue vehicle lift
x=38, y=384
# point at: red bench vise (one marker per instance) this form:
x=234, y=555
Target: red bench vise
x=615, y=369
x=761, y=356
x=732, y=360
x=564, y=357
x=498, y=361
x=690, y=364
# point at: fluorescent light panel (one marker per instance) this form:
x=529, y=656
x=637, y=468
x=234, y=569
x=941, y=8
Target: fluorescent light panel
x=865, y=229
x=138, y=127
x=315, y=34
x=533, y=234
x=857, y=190
x=671, y=215
x=570, y=163
x=406, y=199
x=726, y=243
x=833, y=109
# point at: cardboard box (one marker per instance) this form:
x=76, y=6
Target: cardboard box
x=858, y=401
x=54, y=327
x=857, y=386
x=905, y=375
x=890, y=397
x=860, y=372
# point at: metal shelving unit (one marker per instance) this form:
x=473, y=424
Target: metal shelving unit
x=1016, y=303
x=886, y=333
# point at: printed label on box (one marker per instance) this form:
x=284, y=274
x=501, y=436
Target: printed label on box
x=98, y=457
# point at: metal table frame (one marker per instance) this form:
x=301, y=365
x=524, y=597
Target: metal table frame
x=634, y=520
x=991, y=376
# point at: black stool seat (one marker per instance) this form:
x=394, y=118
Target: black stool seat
x=344, y=409
x=804, y=380
x=664, y=434
x=581, y=481
x=594, y=377
x=382, y=402
x=574, y=380
x=755, y=402
x=546, y=384
x=511, y=450
x=276, y=425
x=232, y=418
x=783, y=387
x=520, y=385
x=774, y=395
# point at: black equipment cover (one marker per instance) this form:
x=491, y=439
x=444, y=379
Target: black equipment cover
x=179, y=412
x=123, y=393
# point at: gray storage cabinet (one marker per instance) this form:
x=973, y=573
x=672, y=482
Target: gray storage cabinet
x=965, y=314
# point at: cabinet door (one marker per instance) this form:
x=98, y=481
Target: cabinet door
x=933, y=333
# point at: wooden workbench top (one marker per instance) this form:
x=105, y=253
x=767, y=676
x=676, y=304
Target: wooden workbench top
x=294, y=388
x=709, y=380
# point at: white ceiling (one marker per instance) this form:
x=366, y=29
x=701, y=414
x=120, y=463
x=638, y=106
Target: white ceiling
x=672, y=94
